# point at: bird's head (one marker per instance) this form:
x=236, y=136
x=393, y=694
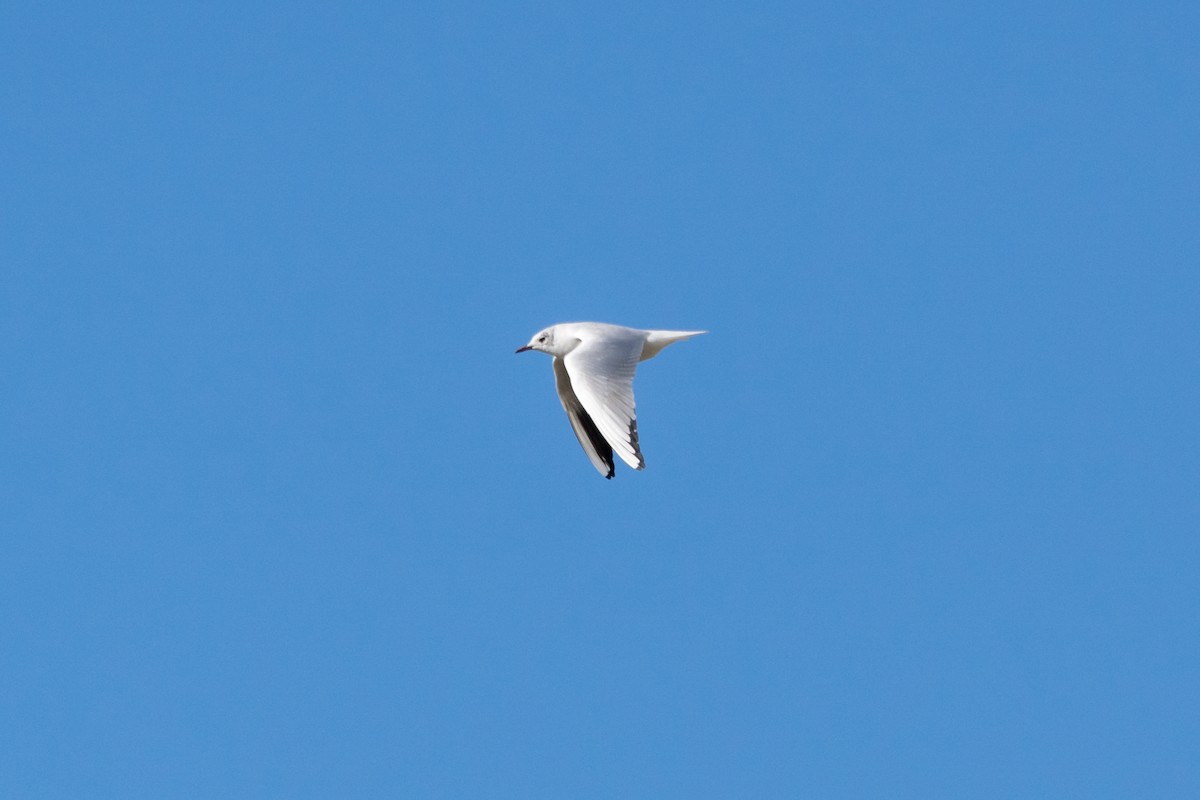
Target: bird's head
x=542, y=340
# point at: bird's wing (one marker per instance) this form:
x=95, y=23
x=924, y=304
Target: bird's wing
x=598, y=450
x=601, y=372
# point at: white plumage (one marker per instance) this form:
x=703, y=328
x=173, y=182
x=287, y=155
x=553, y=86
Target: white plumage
x=594, y=364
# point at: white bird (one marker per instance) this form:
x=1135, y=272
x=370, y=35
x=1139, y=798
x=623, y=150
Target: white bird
x=594, y=364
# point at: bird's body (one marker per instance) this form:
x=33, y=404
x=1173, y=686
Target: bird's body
x=594, y=364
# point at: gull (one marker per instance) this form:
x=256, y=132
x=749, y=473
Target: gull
x=594, y=364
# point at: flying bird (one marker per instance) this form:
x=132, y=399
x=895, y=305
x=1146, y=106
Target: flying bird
x=594, y=364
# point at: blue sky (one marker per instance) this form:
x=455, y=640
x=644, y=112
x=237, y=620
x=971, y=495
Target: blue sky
x=284, y=516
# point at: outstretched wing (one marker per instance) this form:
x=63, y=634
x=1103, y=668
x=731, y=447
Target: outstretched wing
x=597, y=449
x=601, y=372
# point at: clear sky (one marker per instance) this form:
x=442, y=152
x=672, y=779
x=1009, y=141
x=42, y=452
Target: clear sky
x=283, y=516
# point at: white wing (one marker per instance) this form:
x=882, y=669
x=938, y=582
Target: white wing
x=601, y=372
x=597, y=449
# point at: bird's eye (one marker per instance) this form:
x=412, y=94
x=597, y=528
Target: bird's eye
x=541, y=338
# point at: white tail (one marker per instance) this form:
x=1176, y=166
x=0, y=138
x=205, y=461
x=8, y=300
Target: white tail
x=657, y=340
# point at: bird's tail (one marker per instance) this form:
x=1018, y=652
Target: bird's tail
x=657, y=340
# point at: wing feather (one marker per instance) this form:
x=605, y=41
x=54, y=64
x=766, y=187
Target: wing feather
x=598, y=450
x=601, y=374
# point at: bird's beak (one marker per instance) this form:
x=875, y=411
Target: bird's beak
x=523, y=349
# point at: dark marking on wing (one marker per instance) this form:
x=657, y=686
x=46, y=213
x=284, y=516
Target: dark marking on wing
x=582, y=425
x=633, y=439
x=599, y=444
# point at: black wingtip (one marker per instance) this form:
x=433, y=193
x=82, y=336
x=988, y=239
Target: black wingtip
x=637, y=450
